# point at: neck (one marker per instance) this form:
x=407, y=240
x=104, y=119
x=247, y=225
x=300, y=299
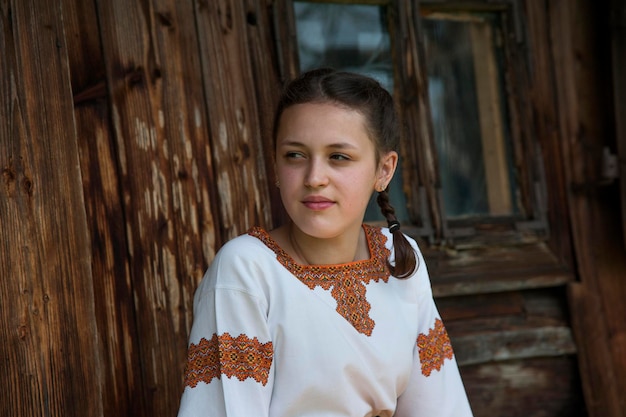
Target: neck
x=309, y=250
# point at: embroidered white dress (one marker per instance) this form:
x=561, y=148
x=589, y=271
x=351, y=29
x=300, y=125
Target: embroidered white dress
x=274, y=338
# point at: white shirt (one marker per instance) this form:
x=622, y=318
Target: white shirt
x=274, y=338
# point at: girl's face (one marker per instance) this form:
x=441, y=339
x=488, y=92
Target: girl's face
x=327, y=170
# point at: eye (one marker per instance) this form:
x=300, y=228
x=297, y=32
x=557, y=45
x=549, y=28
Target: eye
x=340, y=157
x=294, y=155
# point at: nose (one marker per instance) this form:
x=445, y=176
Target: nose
x=316, y=175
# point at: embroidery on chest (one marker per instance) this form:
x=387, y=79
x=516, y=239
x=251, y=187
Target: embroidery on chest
x=346, y=282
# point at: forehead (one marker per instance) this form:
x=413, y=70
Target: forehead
x=321, y=119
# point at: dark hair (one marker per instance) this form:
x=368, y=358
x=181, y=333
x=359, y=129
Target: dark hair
x=369, y=98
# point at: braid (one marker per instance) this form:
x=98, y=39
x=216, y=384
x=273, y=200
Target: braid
x=405, y=257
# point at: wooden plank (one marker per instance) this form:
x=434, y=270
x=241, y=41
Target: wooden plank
x=411, y=92
x=264, y=66
x=540, y=112
x=499, y=281
x=599, y=384
x=582, y=121
x=51, y=358
x=114, y=305
x=492, y=269
x=238, y=153
x=507, y=326
x=507, y=345
x=532, y=387
x=285, y=37
x=487, y=79
x=618, y=43
x=480, y=305
x=168, y=186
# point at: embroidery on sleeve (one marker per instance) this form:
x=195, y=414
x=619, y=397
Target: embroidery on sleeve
x=239, y=357
x=434, y=348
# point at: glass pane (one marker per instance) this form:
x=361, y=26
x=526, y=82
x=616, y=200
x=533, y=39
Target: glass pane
x=465, y=86
x=350, y=37
x=354, y=38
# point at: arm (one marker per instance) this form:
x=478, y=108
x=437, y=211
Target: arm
x=435, y=387
x=229, y=367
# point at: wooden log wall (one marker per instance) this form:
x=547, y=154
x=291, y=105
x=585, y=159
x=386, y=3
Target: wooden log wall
x=131, y=148
x=582, y=65
x=50, y=356
x=133, y=143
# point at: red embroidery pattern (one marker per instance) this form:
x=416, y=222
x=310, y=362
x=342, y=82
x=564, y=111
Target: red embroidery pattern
x=239, y=357
x=347, y=280
x=434, y=348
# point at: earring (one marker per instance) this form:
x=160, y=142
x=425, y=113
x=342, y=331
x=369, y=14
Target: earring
x=277, y=184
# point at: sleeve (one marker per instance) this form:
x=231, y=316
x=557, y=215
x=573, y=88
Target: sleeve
x=229, y=368
x=435, y=387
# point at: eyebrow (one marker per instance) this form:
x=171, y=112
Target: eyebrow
x=338, y=145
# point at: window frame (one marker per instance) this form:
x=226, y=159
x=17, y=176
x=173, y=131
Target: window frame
x=424, y=201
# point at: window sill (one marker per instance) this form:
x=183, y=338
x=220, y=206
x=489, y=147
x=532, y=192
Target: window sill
x=494, y=269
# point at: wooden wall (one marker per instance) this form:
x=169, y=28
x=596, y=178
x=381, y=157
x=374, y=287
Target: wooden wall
x=131, y=148
x=133, y=137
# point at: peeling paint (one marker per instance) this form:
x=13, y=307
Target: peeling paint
x=223, y=135
x=166, y=149
x=224, y=188
x=146, y=199
x=160, y=195
x=193, y=214
x=129, y=236
x=195, y=176
x=188, y=147
x=161, y=119
x=145, y=135
x=172, y=286
x=197, y=117
x=241, y=125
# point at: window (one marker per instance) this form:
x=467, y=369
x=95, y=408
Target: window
x=469, y=172
x=465, y=88
x=350, y=37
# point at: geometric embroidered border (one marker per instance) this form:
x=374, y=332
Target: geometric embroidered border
x=239, y=357
x=346, y=281
x=434, y=348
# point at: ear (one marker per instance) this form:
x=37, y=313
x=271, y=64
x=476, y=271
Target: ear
x=386, y=168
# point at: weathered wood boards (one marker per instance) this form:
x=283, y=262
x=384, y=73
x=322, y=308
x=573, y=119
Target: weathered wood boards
x=580, y=54
x=133, y=142
x=192, y=175
x=618, y=44
x=51, y=362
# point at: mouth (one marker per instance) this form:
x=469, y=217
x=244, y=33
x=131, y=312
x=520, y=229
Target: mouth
x=317, y=203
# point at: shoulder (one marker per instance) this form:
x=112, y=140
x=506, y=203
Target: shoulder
x=240, y=264
x=388, y=239
x=420, y=277
x=242, y=247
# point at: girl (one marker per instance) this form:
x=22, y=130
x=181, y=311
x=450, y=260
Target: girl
x=324, y=316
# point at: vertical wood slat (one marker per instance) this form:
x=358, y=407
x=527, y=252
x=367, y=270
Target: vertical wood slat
x=618, y=36
x=51, y=364
x=264, y=66
x=597, y=307
x=167, y=177
x=542, y=114
x=234, y=122
x=114, y=305
x=419, y=147
x=491, y=119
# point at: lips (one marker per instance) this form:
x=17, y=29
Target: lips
x=317, y=203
